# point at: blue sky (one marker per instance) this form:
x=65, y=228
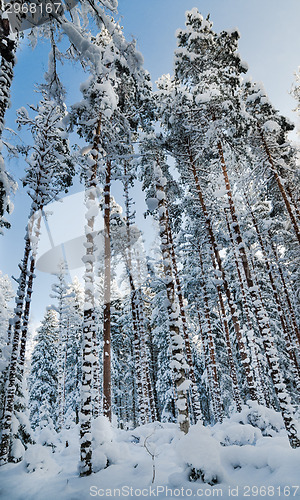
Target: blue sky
x=270, y=42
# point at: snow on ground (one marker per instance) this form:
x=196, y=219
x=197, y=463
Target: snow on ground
x=246, y=456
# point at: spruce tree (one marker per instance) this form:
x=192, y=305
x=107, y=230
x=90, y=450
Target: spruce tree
x=43, y=377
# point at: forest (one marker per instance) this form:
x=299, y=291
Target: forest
x=188, y=355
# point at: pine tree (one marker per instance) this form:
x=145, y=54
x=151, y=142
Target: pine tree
x=214, y=88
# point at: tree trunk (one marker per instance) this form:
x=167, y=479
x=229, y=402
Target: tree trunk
x=6, y=76
x=232, y=367
x=211, y=352
x=88, y=316
x=250, y=332
x=262, y=319
x=279, y=183
x=144, y=385
x=195, y=403
x=232, y=307
x=286, y=292
x=11, y=388
x=145, y=356
x=286, y=334
x=178, y=363
x=107, y=298
x=26, y=314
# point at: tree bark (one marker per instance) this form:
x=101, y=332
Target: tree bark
x=196, y=409
x=178, y=363
x=11, y=387
x=262, y=319
x=88, y=317
x=216, y=394
x=279, y=183
x=232, y=307
x=107, y=298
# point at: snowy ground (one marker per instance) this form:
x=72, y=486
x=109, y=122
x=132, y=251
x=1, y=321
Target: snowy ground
x=236, y=460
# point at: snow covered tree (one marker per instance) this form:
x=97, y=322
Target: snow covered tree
x=43, y=379
x=73, y=351
x=208, y=68
x=103, y=122
x=49, y=171
x=6, y=312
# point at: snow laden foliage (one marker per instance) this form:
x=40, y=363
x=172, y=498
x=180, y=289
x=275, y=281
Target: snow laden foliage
x=6, y=313
x=107, y=117
x=177, y=365
x=210, y=129
x=50, y=170
x=7, y=185
x=43, y=378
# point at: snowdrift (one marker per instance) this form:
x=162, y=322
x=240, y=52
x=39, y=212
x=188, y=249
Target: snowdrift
x=248, y=455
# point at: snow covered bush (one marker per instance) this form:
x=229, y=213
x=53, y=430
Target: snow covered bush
x=38, y=457
x=248, y=426
x=201, y=454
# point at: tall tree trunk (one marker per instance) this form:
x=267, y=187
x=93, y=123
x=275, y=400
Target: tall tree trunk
x=232, y=367
x=89, y=314
x=107, y=298
x=216, y=394
x=11, y=387
x=153, y=372
x=250, y=331
x=178, y=363
x=196, y=409
x=144, y=384
x=279, y=183
x=286, y=334
x=232, y=307
x=286, y=292
x=206, y=360
x=262, y=319
x=26, y=315
x=145, y=356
